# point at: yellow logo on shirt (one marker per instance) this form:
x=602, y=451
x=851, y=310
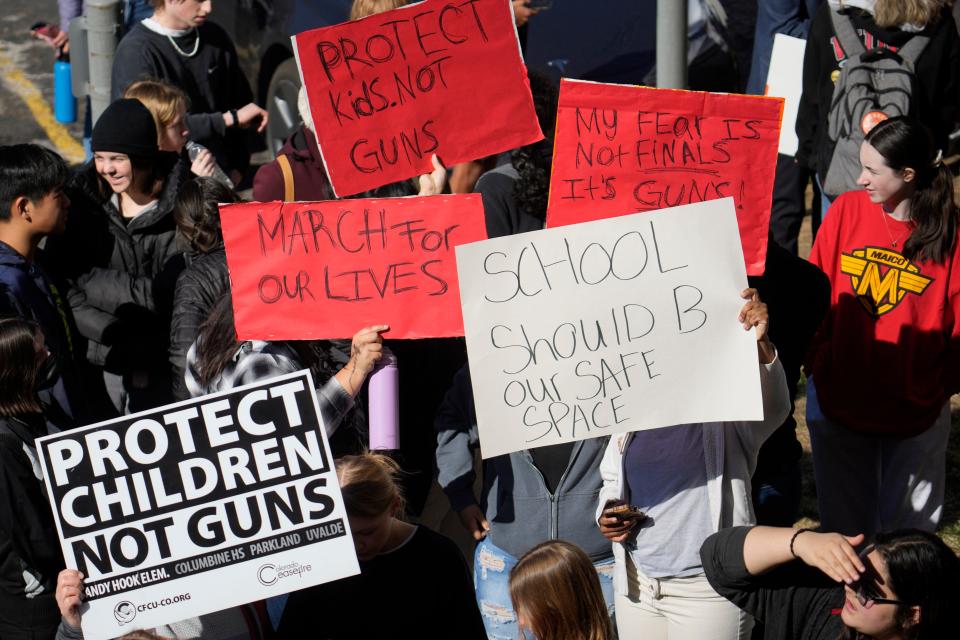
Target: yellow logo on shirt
x=881, y=278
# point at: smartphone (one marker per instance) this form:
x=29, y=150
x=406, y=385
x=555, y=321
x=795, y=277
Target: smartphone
x=624, y=512
x=45, y=31
x=542, y=5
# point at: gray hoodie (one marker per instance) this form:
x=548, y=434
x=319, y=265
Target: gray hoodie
x=521, y=511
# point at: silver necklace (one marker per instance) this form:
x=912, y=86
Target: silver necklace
x=196, y=45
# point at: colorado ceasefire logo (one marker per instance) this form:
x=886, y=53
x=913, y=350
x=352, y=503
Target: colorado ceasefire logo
x=270, y=574
x=124, y=612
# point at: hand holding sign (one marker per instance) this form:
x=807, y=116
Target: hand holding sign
x=754, y=316
x=69, y=595
x=433, y=183
x=366, y=349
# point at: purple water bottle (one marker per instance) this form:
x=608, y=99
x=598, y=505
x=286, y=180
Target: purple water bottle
x=384, y=403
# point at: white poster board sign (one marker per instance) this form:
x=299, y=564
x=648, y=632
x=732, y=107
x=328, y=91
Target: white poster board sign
x=785, y=80
x=603, y=327
x=198, y=506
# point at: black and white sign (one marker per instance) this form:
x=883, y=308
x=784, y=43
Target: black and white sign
x=608, y=326
x=162, y=509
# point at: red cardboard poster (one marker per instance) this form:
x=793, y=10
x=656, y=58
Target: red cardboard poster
x=625, y=149
x=440, y=76
x=312, y=270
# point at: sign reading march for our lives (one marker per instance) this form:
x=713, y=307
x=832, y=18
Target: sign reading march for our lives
x=198, y=506
x=622, y=149
x=616, y=325
x=329, y=268
x=442, y=77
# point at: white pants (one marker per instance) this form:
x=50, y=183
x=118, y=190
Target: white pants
x=677, y=609
x=867, y=483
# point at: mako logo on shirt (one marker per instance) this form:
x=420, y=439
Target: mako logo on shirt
x=881, y=278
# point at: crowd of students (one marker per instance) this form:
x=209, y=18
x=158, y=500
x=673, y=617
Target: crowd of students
x=115, y=297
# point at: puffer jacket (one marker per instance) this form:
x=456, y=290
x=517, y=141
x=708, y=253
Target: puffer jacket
x=199, y=287
x=121, y=273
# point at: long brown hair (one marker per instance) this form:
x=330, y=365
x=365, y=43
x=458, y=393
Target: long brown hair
x=18, y=367
x=197, y=212
x=904, y=142
x=556, y=592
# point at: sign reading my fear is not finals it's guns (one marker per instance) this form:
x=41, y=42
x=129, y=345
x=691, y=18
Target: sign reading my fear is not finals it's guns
x=161, y=509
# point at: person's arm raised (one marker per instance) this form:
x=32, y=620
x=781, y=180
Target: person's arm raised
x=365, y=349
x=767, y=547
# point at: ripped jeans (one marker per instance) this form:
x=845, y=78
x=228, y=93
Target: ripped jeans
x=491, y=580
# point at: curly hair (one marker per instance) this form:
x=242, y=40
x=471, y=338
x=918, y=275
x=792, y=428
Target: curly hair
x=197, y=212
x=534, y=161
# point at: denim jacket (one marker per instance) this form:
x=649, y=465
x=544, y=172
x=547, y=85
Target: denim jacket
x=520, y=509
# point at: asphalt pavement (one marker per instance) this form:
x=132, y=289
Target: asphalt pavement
x=26, y=81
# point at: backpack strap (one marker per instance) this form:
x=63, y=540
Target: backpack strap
x=287, y=171
x=849, y=40
x=914, y=47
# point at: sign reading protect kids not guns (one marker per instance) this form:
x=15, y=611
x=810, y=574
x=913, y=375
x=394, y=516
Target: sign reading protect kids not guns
x=198, y=506
x=313, y=270
x=438, y=77
x=622, y=149
x=608, y=326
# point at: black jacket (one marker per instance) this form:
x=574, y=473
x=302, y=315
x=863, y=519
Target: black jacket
x=212, y=80
x=27, y=292
x=199, y=287
x=792, y=602
x=30, y=555
x=936, y=98
x=121, y=273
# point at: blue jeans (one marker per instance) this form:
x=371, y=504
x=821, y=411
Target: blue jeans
x=825, y=200
x=491, y=580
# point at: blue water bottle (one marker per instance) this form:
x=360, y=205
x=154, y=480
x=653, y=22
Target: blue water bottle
x=64, y=104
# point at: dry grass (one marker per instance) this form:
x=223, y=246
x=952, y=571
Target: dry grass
x=950, y=523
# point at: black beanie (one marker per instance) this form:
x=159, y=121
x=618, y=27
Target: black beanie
x=126, y=126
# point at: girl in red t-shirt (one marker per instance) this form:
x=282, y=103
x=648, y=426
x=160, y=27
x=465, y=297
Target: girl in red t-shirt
x=884, y=363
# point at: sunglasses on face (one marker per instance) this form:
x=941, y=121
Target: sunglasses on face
x=867, y=597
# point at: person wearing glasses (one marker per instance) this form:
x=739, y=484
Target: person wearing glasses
x=804, y=584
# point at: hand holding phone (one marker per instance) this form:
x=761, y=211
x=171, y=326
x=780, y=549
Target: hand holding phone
x=618, y=520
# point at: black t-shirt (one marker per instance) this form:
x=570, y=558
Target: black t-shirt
x=793, y=602
x=420, y=590
x=211, y=77
x=552, y=461
x=503, y=214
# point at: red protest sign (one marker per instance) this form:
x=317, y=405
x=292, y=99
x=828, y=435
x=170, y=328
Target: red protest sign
x=440, y=76
x=312, y=270
x=625, y=149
